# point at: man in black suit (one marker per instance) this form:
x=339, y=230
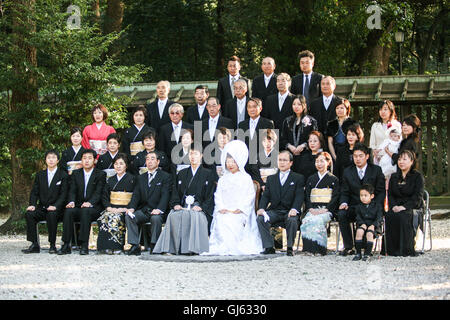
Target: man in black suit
x=158, y=110
x=214, y=121
x=84, y=202
x=354, y=176
x=149, y=203
x=307, y=83
x=265, y=84
x=225, y=89
x=198, y=112
x=278, y=107
x=285, y=193
x=323, y=108
x=235, y=109
x=47, y=200
x=170, y=134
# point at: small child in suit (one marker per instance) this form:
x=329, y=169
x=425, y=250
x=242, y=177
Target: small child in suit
x=368, y=220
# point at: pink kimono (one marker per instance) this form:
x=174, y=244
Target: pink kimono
x=94, y=138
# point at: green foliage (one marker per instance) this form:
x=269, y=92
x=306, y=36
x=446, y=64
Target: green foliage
x=73, y=73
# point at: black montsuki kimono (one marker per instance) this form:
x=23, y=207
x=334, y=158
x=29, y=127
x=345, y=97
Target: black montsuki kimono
x=314, y=227
x=111, y=228
x=70, y=155
x=132, y=134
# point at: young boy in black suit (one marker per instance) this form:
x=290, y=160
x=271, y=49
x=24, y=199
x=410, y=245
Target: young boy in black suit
x=368, y=220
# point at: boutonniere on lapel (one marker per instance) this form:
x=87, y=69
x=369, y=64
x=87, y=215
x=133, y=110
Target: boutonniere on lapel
x=58, y=183
x=306, y=121
x=292, y=183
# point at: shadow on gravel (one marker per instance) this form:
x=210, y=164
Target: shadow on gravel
x=181, y=258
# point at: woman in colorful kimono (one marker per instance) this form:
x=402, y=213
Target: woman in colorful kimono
x=94, y=135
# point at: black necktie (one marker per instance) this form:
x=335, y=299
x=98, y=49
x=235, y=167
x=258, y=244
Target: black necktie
x=306, y=88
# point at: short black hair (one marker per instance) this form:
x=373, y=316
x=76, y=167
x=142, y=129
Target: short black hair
x=122, y=156
x=52, y=151
x=114, y=136
x=368, y=187
x=91, y=151
x=202, y=87
x=150, y=134
x=361, y=147
x=154, y=152
x=75, y=130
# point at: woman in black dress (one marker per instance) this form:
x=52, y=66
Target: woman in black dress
x=316, y=144
x=345, y=157
x=132, y=137
x=337, y=128
x=295, y=131
x=116, y=197
x=149, y=141
x=406, y=188
x=410, y=131
x=71, y=157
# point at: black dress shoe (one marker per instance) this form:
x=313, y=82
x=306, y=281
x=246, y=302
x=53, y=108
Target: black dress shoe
x=346, y=252
x=290, y=252
x=52, y=249
x=34, y=248
x=134, y=251
x=357, y=257
x=269, y=251
x=365, y=257
x=65, y=249
x=84, y=251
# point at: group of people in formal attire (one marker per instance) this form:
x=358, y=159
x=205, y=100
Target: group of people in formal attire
x=287, y=155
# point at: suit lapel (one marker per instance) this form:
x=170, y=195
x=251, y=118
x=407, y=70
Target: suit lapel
x=286, y=183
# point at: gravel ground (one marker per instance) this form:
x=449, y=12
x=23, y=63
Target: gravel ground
x=93, y=277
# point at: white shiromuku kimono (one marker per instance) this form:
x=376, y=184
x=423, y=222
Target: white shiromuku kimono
x=235, y=234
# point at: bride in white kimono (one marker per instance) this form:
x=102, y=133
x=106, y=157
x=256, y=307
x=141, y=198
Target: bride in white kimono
x=234, y=230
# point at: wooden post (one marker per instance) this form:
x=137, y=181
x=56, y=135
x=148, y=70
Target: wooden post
x=419, y=114
x=440, y=171
x=429, y=148
x=448, y=148
x=356, y=113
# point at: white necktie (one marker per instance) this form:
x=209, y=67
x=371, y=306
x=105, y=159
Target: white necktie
x=161, y=108
x=252, y=128
x=86, y=181
x=361, y=174
x=283, y=176
x=280, y=102
x=50, y=178
x=176, y=132
x=212, y=129
x=232, y=86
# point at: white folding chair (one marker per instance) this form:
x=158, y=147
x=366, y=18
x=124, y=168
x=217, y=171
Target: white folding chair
x=426, y=220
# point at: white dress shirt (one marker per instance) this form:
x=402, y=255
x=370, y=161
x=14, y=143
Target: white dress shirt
x=50, y=175
x=201, y=109
x=87, y=176
x=267, y=79
x=281, y=99
x=283, y=176
x=212, y=126
x=177, y=130
x=361, y=172
x=161, y=105
x=252, y=125
x=327, y=101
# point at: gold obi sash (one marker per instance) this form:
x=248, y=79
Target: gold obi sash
x=99, y=146
x=73, y=165
x=321, y=195
x=120, y=198
x=136, y=147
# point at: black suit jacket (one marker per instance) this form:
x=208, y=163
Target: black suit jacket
x=201, y=187
x=192, y=114
x=314, y=86
x=153, y=119
x=94, y=188
x=224, y=89
x=272, y=111
x=350, y=184
x=259, y=89
x=371, y=215
x=262, y=124
x=316, y=109
x=156, y=196
x=222, y=122
x=230, y=111
x=166, y=140
x=286, y=197
x=42, y=196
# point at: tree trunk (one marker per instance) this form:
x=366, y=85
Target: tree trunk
x=113, y=22
x=96, y=9
x=220, y=39
x=23, y=94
